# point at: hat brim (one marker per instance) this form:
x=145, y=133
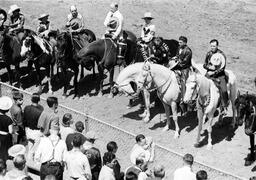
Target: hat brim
x=12, y=10
x=16, y=150
x=4, y=13
x=40, y=18
x=147, y=18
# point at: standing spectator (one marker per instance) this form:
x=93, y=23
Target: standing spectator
x=93, y=154
x=17, y=116
x=112, y=147
x=107, y=172
x=144, y=147
x=185, y=173
x=159, y=172
x=131, y=176
x=30, y=119
x=50, y=153
x=2, y=169
x=49, y=117
x=65, y=128
x=79, y=129
x=19, y=171
x=6, y=127
x=77, y=163
x=201, y=175
x=140, y=169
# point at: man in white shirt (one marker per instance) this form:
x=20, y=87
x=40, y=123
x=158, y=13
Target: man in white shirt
x=19, y=170
x=65, y=128
x=107, y=172
x=148, y=29
x=185, y=172
x=77, y=163
x=140, y=169
x=50, y=153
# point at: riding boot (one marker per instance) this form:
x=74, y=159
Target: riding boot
x=224, y=102
x=183, y=108
x=122, y=48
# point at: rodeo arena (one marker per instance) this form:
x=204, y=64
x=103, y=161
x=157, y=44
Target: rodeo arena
x=127, y=90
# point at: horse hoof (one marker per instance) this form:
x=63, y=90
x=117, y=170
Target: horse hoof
x=209, y=147
x=146, y=119
x=50, y=92
x=143, y=115
x=176, y=135
x=197, y=145
x=166, y=128
x=64, y=96
x=100, y=95
x=110, y=96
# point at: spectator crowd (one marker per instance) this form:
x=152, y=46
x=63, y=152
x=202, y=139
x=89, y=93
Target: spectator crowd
x=37, y=134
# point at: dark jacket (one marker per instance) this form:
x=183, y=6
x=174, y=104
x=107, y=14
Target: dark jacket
x=184, y=57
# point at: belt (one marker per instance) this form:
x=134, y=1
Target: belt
x=74, y=178
x=51, y=163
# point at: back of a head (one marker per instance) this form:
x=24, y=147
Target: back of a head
x=111, y=146
x=139, y=137
x=131, y=176
x=159, y=171
x=50, y=177
x=201, y=175
x=77, y=141
x=51, y=101
x=67, y=119
x=108, y=157
x=79, y=126
x=188, y=159
x=35, y=98
x=139, y=161
x=2, y=166
x=19, y=162
x=16, y=94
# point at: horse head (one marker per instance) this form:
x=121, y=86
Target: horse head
x=191, y=88
x=144, y=78
x=64, y=45
x=26, y=46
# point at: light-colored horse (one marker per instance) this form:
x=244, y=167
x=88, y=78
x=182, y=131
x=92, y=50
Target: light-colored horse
x=208, y=98
x=122, y=84
x=167, y=89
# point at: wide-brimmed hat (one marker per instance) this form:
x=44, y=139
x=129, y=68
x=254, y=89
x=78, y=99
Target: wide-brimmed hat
x=217, y=59
x=16, y=150
x=147, y=15
x=42, y=16
x=91, y=135
x=13, y=7
x=5, y=103
x=4, y=13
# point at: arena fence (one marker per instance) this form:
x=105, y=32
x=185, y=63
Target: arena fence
x=167, y=157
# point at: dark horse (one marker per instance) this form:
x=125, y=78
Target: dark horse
x=11, y=47
x=67, y=49
x=246, y=111
x=31, y=49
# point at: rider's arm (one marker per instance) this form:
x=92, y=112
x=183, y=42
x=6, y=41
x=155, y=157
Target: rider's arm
x=22, y=21
x=187, y=59
x=206, y=61
x=119, y=28
x=107, y=18
x=150, y=35
x=81, y=25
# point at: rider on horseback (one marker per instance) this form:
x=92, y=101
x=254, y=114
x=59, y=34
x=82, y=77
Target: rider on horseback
x=216, y=71
x=114, y=23
x=75, y=21
x=17, y=19
x=183, y=64
x=160, y=51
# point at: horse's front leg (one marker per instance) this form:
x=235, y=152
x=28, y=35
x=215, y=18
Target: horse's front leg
x=75, y=82
x=146, y=113
x=210, y=119
x=251, y=158
x=39, y=79
x=111, y=82
x=101, y=79
x=66, y=83
x=17, y=67
x=175, y=119
x=49, y=77
x=167, y=112
x=82, y=72
x=10, y=74
x=201, y=118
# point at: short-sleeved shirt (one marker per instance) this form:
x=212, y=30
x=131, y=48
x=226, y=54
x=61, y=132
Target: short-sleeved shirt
x=5, y=121
x=70, y=138
x=31, y=115
x=65, y=131
x=184, y=173
x=45, y=120
x=17, y=114
x=94, y=157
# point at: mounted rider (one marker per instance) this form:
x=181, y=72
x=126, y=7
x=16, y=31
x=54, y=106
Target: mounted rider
x=3, y=18
x=215, y=64
x=181, y=64
x=160, y=51
x=17, y=19
x=114, y=22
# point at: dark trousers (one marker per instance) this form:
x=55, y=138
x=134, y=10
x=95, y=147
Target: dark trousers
x=52, y=168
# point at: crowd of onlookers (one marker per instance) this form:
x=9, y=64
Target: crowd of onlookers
x=37, y=134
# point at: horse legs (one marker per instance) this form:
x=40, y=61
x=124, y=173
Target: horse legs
x=175, y=119
x=101, y=79
x=250, y=159
x=75, y=82
x=167, y=112
x=66, y=83
x=210, y=119
x=233, y=95
x=17, y=67
x=39, y=77
x=10, y=74
x=111, y=76
x=201, y=118
x=82, y=72
x=49, y=73
x=146, y=113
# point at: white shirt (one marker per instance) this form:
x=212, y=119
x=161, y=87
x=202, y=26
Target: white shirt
x=148, y=32
x=184, y=173
x=138, y=151
x=77, y=164
x=45, y=148
x=120, y=18
x=106, y=173
x=142, y=175
x=65, y=131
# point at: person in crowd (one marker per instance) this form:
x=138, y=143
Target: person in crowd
x=112, y=147
x=75, y=21
x=201, y=175
x=19, y=170
x=140, y=169
x=93, y=154
x=31, y=115
x=49, y=116
x=185, y=172
x=159, y=172
x=148, y=30
x=17, y=19
x=50, y=153
x=131, y=176
x=3, y=18
x=3, y=169
x=15, y=150
x=6, y=127
x=144, y=147
x=182, y=66
x=216, y=71
x=17, y=116
x=77, y=163
x=65, y=128
x=79, y=129
x=107, y=172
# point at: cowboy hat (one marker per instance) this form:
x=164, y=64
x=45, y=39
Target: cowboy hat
x=13, y=7
x=16, y=150
x=5, y=103
x=147, y=15
x=42, y=16
x=113, y=23
x=217, y=59
x=91, y=135
x=4, y=13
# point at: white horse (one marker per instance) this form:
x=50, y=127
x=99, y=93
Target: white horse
x=123, y=84
x=208, y=98
x=167, y=89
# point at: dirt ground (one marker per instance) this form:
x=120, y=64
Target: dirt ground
x=231, y=22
